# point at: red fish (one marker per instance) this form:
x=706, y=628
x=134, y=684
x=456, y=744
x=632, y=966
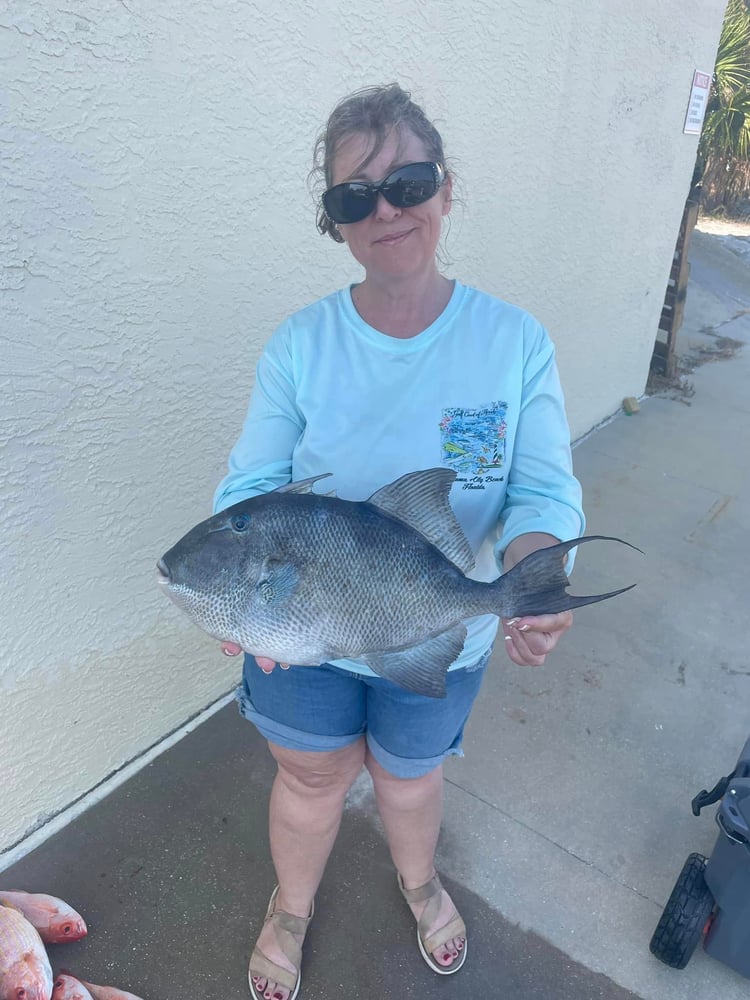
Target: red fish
x=109, y=993
x=55, y=921
x=96, y=992
x=25, y=972
x=69, y=988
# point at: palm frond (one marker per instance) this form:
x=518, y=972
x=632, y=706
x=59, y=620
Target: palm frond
x=724, y=147
x=732, y=70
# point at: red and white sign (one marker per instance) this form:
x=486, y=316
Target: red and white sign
x=698, y=103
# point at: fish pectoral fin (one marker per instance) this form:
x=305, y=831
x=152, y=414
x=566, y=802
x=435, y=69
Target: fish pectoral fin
x=303, y=486
x=421, y=668
x=278, y=581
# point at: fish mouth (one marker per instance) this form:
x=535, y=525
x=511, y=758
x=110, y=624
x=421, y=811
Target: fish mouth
x=162, y=573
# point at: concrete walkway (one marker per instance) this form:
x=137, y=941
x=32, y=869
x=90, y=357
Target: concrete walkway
x=569, y=817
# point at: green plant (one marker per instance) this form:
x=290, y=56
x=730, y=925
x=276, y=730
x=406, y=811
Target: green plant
x=724, y=148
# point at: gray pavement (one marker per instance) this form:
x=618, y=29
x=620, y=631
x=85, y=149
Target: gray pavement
x=569, y=817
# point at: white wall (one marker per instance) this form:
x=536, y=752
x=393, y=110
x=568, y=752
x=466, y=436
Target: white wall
x=156, y=226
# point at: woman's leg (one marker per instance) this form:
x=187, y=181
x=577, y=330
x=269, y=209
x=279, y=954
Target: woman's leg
x=411, y=736
x=411, y=810
x=307, y=802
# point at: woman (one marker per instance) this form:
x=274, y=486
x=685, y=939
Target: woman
x=405, y=370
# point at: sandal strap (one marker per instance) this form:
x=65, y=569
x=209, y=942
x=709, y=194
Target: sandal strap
x=262, y=966
x=287, y=921
x=455, y=928
x=290, y=922
x=430, y=893
x=422, y=892
x=285, y=926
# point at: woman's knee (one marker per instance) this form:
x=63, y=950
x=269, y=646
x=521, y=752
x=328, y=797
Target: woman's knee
x=323, y=771
x=387, y=784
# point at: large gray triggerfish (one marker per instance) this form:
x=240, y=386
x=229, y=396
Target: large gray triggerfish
x=304, y=578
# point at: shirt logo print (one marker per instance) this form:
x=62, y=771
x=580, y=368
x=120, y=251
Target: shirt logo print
x=472, y=443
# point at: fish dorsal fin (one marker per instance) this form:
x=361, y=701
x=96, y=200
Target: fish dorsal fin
x=303, y=486
x=420, y=499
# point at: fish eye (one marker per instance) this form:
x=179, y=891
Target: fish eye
x=67, y=929
x=240, y=522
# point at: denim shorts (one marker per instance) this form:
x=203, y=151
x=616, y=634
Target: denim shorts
x=327, y=708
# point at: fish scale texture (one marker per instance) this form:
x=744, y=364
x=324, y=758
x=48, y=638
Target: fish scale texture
x=16, y=933
x=23, y=960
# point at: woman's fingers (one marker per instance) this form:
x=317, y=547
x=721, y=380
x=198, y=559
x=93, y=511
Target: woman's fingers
x=542, y=623
x=520, y=652
x=264, y=662
x=529, y=639
x=267, y=665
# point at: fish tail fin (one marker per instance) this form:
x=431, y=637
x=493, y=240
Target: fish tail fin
x=537, y=585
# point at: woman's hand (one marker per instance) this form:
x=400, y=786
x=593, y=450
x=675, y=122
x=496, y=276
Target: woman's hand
x=530, y=638
x=265, y=664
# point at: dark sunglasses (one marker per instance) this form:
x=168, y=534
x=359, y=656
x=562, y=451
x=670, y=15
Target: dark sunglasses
x=404, y=187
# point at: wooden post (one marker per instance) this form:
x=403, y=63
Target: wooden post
x=663, y=359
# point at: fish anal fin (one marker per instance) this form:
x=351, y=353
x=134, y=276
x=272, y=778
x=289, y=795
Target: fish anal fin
x=420, y=499
x=421, y=668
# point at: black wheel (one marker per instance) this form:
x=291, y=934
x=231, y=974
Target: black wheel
x=685, y=916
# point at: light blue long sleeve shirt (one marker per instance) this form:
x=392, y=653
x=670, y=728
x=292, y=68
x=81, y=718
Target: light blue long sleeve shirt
x=477, y=391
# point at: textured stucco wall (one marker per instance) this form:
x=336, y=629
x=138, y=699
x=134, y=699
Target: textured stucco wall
x=156, y=226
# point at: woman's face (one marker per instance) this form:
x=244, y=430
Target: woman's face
x=391, y=242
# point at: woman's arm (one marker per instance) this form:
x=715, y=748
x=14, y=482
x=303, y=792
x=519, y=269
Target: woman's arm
x=261, y=460
x=543, y=495
x=543, y=502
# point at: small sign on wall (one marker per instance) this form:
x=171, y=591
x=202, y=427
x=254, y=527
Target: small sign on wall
x=698, y=102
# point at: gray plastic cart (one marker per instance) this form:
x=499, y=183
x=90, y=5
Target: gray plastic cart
x=711, y=898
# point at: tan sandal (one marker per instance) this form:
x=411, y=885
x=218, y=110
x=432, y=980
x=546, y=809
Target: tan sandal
x=286, y=925
x=455, y=928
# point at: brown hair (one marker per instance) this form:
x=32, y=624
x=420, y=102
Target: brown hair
x=377, y=111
